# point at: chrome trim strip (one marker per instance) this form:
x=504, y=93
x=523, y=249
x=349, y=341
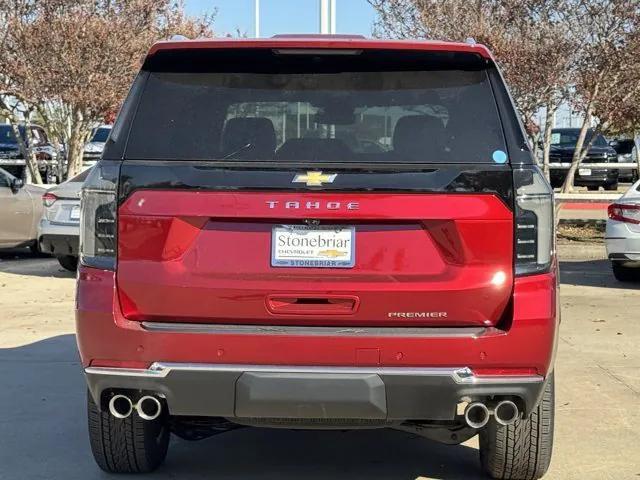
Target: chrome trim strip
x=448, y=332
x=126, y=372
x=460, y=375
x=161, y=366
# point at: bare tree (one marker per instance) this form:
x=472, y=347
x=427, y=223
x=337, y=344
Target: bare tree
x=73, y=60
x=606, y=72
x=536, y=55
x=527, y=38
x=15, y=108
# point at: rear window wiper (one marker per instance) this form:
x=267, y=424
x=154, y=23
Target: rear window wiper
x=239, y=150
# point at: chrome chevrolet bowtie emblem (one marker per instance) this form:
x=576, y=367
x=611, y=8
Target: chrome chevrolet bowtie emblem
x=314, y=179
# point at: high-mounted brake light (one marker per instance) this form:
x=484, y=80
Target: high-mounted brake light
x=48, y=199
x=628, y=213
x=98, y=217
x=535, y=229
x=317, y=51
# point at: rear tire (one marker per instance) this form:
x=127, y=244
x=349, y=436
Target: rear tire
x=130, y=445
x=68, y=262
x=611, y=187
x=625, y=274
x=521, y=451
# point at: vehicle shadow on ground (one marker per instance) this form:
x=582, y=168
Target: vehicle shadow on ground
x=23, y=262
x=593, y=273
x=17, y=253
x=42, y=413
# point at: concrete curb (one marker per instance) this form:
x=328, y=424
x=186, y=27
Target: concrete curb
x=584, y=208
x=587, y=197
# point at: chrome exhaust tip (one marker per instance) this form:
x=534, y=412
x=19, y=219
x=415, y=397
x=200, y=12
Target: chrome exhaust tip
x=476, y=415
x=506, y=412
x=120, y=406
x=149, y=408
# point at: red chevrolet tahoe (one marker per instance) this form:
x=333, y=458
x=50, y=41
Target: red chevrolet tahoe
x=313, y=232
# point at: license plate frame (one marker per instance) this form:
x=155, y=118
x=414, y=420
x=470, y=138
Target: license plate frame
x=584, y=172
x=337, y=254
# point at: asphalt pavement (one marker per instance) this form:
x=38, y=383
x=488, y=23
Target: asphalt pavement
x=42, y=400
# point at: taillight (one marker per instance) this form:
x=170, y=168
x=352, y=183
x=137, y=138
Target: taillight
x=534, y=235
x=624, y=213
x=98, y=217
x=48, y=199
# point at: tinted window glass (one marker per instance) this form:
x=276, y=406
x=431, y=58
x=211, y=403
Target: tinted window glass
x=600, y=141
x=6, y=134
x=625, y=147
x=358, y=111
x=81, y=177
x=101, y=135
x=569, y=138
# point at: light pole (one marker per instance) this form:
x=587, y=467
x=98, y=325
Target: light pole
x=256, y=16
x=327, y=16
x=332, y=23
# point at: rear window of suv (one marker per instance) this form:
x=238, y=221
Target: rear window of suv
x=370, y=106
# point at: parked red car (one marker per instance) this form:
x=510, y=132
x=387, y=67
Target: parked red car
x=328, y=232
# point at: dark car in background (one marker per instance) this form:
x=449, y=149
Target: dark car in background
x=12, y=160
x=627, y=153
x=563, y=145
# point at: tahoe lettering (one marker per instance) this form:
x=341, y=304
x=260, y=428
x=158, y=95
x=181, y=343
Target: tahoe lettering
x=295, y=205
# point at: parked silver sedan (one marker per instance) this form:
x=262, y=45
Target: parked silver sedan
x=623, y=235
x=20, y=211
x=59, y=228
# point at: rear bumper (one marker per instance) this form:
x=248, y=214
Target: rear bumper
x=277, y=392
x=59, y=244
x=583, y=182
x=627, y=174
x=623, y=243
x=597, y=177
x=202, y=369
x=629, y=258
x=620, y=246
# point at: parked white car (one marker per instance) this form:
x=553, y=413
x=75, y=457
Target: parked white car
x=93, y=149
x=623, y=235
x=59, y=228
